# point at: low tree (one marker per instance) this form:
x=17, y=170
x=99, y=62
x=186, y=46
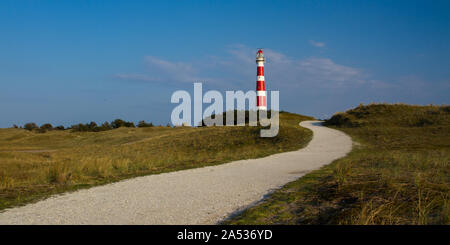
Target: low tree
x=46, y=126
x=130, y=124
x=92, y=127
x=143, y=124
x=60, y=127
x=106, y=126
x=121, y=123
x=30, y=126
x=80, y=127
x=117, y=123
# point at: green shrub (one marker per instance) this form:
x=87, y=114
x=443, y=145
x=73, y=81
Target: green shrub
x=235, y=112
x=143, y=124
x=121, y=123
x=30, y=126
x=80, y=127
x=46, y=126
x=106, y=126
x=93, y=127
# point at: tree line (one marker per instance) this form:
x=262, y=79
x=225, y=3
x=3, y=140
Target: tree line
x=85, y=127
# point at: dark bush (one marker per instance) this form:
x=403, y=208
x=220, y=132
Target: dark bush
x=93, y=127
x=47, y=126
x=235, y=112
x=143, y=124
x=30, y=126
x=60, y=127
x=117, y=123
x=121, y=123
x=80, y=127
x=340, y=119
x=106, y=126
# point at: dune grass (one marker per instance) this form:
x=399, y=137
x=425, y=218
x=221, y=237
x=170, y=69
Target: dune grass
x=36, y=165
x=398, y=173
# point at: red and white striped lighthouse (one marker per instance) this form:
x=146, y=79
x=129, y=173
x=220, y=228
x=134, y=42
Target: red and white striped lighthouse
x=260, y=87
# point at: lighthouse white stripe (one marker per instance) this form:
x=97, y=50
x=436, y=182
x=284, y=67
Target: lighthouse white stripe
x=260, y=64
x=261, y=93
x=260, y=78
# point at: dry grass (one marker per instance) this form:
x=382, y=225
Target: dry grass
x=84, y=159
x=400, y=174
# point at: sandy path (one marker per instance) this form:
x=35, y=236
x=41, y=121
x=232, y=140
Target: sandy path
x=195, y=196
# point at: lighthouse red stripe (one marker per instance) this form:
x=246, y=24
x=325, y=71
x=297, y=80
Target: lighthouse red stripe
x=260, y=86
x=260, y=71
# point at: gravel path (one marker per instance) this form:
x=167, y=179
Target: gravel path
x=196, y=196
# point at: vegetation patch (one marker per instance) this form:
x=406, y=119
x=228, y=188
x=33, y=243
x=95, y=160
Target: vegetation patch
x=398, y=174
x=34, y=165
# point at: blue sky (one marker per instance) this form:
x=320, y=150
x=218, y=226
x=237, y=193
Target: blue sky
x=66, y=62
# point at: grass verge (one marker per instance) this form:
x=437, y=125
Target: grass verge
x=399, y=173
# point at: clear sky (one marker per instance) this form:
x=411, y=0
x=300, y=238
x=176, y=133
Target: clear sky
x=66, y=62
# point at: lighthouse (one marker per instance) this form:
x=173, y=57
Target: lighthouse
x=260, y=87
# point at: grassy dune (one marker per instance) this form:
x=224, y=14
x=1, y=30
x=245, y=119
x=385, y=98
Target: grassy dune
x=399, y=173
x=36, y=165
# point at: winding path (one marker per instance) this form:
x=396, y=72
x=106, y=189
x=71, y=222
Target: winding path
x=196, y=196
